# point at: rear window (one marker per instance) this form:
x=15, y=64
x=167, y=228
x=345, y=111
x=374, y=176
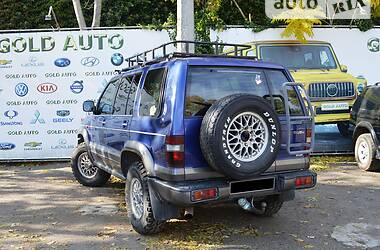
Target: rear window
x=205, y=85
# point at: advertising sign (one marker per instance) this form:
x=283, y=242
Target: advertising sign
x=46, y=76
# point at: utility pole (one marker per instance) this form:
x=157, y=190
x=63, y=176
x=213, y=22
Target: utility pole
x=185, y=23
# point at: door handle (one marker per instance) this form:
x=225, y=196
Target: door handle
x=125, y=124
x=104, y=122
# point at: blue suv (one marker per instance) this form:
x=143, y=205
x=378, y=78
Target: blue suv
x=187, y=129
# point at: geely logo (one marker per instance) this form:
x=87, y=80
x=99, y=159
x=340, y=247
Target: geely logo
x=90, y=61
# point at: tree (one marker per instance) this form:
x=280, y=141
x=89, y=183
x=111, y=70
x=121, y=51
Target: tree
x=79, y=14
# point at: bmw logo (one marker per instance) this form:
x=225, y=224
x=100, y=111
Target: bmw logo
x=117, y=59
x=21, y=89
x=90, y=61
x=62, y=62
x=77, y=87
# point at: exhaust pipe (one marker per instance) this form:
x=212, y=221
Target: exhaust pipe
x=189, y=213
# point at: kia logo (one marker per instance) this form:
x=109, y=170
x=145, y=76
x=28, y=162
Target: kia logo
x=11, y=114
x=62, y=62
x=21, y=89
x=90, y=61
x=47, y=88
x=6, y=146
x=63, y=113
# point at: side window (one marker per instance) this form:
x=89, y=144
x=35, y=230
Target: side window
x=151, y=92
x=122, y=96
x=106, y=102
x=276, y=79
x=132, y=93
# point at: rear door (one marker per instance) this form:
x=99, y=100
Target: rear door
x=285, y=161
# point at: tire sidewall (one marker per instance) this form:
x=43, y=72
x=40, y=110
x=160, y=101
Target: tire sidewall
x=364, y=138
x=100, y=177
x=138, y=223
x=263, y=162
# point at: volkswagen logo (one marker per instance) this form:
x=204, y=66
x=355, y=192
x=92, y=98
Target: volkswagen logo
x=90, y=61
x=62, y=62
x=21, y=89
x=77, y=87
x=117, y=59
x=332, y=90
x=11, y=114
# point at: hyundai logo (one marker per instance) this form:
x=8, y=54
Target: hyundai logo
x=7, y=146
x=63, y=113
x=37, y=118
x=77, y=87
x=21, y=89
x=11, y=114
x=62, y=62
x=47, y=88
x=117, y=59
x=90, y=61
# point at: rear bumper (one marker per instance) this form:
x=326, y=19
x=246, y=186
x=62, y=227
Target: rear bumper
x=181, y=193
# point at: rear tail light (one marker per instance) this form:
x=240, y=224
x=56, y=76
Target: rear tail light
x=303, y=182
x=308, y=135
x=204, y=194
x=175, y=151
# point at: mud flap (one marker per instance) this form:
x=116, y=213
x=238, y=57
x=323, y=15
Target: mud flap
x=287, y=195
x=162, y=210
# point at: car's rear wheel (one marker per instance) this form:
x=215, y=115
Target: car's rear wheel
x=365, y=151
x=137, y=198
x=85, y=172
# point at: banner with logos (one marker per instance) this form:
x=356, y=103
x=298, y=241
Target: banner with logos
x=46, y=76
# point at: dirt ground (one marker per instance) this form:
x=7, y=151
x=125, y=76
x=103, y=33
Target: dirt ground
x=43, y=207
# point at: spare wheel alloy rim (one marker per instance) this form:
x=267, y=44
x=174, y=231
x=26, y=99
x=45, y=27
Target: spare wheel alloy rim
x=85, y=166
x=137, y=198
x=247, y=136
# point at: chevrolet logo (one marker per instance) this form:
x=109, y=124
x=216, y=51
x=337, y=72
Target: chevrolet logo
x=5, y=62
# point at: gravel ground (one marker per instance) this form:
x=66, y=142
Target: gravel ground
x=43, y=207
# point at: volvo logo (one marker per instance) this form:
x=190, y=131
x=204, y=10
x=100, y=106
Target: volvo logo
x=37, y=118
x=117, y=59
x=11, y=114
x=77, y=87
x=332, y=90
x=47, y=88
x=62, y=62
x=90, y=61
x=21, y=89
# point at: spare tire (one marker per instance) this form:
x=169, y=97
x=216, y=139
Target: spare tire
x=240, y=136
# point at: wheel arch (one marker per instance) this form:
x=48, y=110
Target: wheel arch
x=136, y=151
x=364, y=127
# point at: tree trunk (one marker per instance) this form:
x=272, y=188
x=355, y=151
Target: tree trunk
x=97, y=13
x=79, y=14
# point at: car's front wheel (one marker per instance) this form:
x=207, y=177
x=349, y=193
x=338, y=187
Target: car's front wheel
x=138, y=201
x=85, y=171
x=365, y=151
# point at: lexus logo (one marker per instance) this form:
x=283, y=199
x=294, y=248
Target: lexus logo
x=90, y=61
x=332, y=90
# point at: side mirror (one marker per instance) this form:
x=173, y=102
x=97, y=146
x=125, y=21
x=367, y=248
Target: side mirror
x=343, y=68
x=88, y=106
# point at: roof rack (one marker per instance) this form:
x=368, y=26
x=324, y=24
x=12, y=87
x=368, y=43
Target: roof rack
x=192, y=49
